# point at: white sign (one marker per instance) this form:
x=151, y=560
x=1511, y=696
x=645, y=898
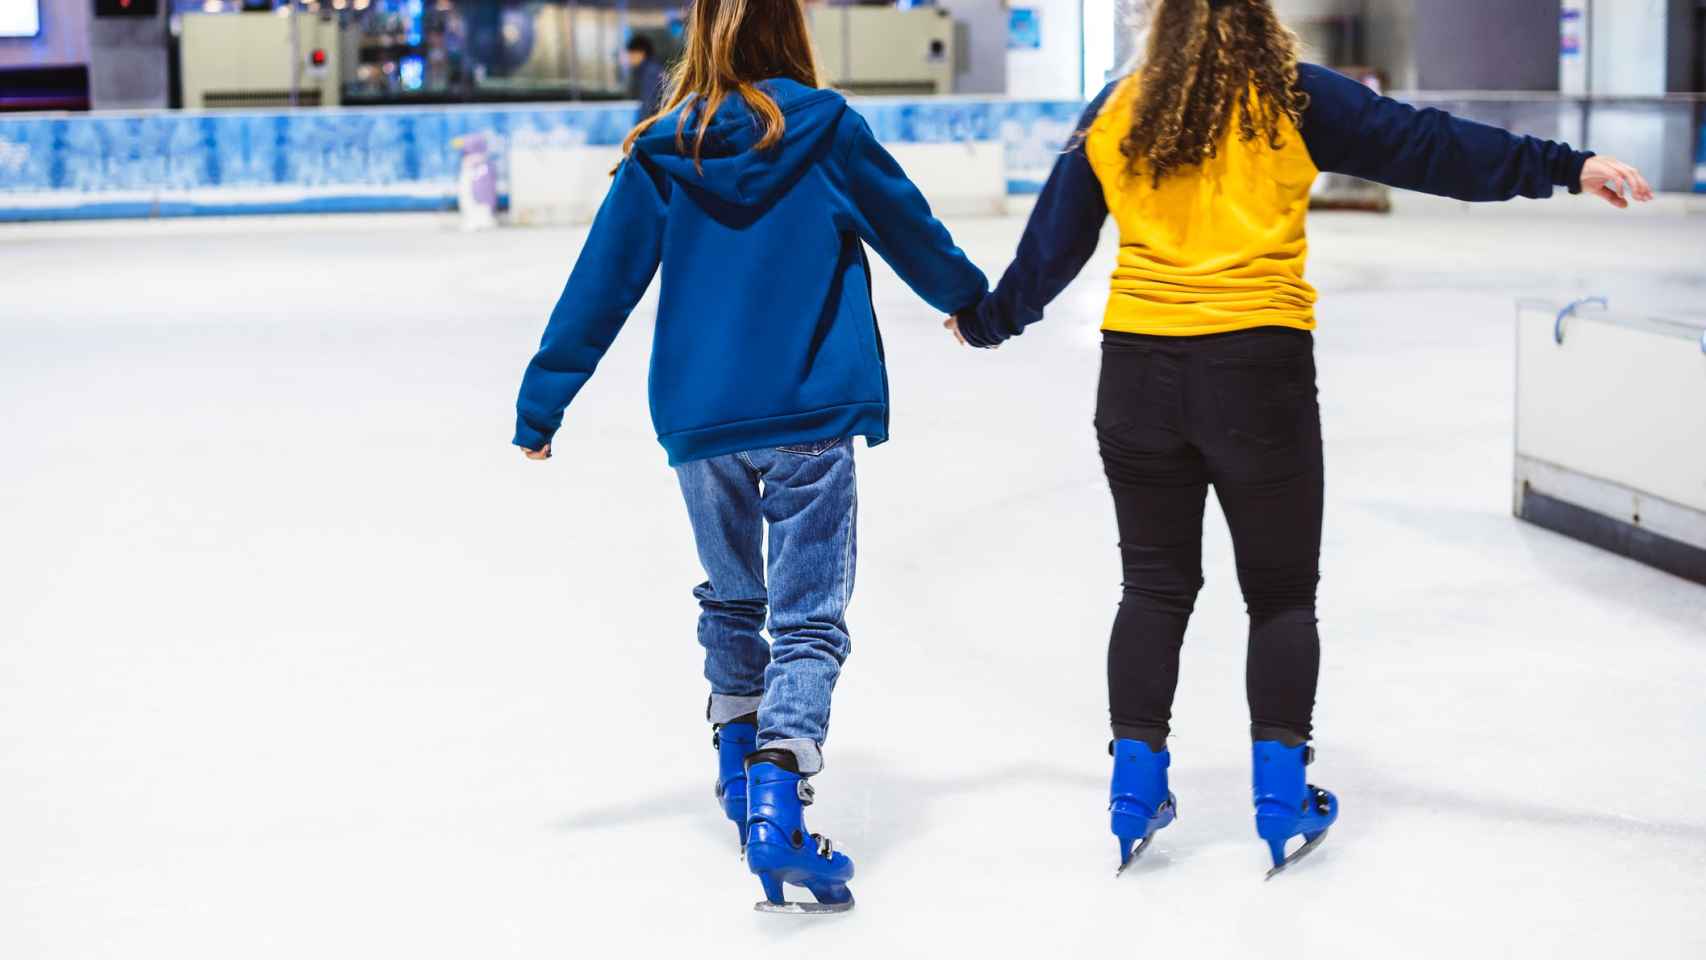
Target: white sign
x=19, y=18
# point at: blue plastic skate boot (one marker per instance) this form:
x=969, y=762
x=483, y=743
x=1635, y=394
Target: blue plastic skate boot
x=779, y=850
x=734, y=742
x=1139, y=803
x=1286, y=806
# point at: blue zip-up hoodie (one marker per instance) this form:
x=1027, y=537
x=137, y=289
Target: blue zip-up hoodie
x=765, y=331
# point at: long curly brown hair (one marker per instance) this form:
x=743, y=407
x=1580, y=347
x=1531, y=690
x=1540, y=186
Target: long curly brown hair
x=1209, y=60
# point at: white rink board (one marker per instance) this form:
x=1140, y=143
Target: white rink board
x=557, y=184
x=968, y=178
x=551, y=184
x=1619, y=399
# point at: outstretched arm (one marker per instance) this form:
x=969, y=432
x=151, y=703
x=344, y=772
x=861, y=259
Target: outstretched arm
x=1059, y=239
x=896, y=221
x=615, y=267
x=1350, y=129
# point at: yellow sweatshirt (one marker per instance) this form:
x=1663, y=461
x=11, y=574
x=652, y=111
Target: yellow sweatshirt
x=1221, y=247
x=1207, y=251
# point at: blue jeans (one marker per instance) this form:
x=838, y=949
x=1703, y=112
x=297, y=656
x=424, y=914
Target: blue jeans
x=807, y=495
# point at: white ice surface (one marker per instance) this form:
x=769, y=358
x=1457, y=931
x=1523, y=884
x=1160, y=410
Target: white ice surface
x=300, y=659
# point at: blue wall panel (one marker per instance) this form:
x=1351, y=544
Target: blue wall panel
x=1700, y=153
x=184, y=163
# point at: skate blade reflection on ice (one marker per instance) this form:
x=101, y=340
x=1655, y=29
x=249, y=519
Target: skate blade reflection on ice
x=1131, y=858
x=1303, y=851
x=803, y=909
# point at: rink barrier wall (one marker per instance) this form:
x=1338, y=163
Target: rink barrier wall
x=190, y=163
x=1610, y=442
x=1700, y=152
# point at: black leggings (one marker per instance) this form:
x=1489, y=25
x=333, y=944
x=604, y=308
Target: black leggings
x=1238, y=411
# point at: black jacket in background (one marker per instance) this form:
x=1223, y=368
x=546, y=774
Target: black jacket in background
x=645, y=84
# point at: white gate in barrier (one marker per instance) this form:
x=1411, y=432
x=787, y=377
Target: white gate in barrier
x=1611, y=430
x=556, y=181
x=553, y=180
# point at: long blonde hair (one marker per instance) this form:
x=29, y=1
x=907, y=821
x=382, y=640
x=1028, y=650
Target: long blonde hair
x=1205, y=59
x=731, y=45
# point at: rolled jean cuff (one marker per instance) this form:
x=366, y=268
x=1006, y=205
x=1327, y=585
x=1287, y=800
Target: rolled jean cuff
x=724, y=708
x=806, y=753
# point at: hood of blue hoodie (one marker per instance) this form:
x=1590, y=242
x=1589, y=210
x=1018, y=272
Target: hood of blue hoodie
x=729, y=167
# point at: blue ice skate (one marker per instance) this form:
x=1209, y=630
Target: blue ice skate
x=1139, y=803
x=779, y=850
x=734, y=741
x=1286, y=806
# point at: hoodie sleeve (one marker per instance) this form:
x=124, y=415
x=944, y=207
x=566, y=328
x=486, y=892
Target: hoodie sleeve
x=1059, y=239
x=615, y=268
x=1350, y=129
x=895, y=219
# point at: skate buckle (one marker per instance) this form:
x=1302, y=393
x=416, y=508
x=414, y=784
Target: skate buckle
x=825, y=849
x=717, y=737
x=805, y=792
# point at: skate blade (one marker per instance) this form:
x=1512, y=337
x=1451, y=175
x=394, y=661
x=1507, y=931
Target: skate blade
x=1303, y=851
x=803, y=909
x=1135, y=853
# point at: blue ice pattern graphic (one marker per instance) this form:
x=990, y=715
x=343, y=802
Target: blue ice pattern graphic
x=1700, y=154
x=185, y=163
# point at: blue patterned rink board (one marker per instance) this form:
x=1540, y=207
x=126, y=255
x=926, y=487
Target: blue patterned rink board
x=1700, y=152
x=172, y=164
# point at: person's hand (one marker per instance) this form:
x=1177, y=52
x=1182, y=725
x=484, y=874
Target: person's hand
x=1616, y=182
x=952, y=325
x=543, y=453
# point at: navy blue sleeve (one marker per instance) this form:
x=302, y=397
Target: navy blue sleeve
x=895, y=219
x=1350, y=129
x=1059, y=239
x=614, y=269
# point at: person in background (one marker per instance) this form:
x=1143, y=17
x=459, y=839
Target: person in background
x=645, y=75
x=757, y=192
x=1205, y=157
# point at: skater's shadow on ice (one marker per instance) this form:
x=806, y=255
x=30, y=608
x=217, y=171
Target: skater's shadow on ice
x=1549, y=558
x=1409, y=797
x=659, y=807
x=879, y=809
x=891, y=808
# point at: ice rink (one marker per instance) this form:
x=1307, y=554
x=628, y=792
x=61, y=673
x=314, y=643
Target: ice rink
x=300, y=659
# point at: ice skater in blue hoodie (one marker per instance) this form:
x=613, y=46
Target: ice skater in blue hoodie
x=757, y=193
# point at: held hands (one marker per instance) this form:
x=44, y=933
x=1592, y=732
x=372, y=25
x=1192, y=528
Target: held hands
x=1616, y=182
x=952, y=325
x=543, y=453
